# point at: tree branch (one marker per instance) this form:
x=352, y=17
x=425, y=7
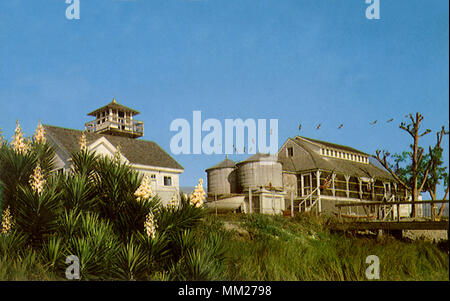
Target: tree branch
x=383, y=162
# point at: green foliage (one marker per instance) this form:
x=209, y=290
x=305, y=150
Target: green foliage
x=200, y=257
x=16, y=168
x=437, y=174
x=310, y=252
x=36, y=214
x=174, y=220
x=93, y=241
x=78, y=192
x=130, y=263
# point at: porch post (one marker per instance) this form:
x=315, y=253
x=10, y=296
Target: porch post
x=347, y=179
x=318, y=209
x=360, y=189
x=334, y=187
x=292, y=203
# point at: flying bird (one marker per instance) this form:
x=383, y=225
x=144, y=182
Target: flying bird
x=340, y=127
x=390, y=120
x=374, y=122
x=299, y=126
x=318, y=127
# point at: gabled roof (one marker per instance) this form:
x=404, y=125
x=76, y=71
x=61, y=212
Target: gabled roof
x=314, y=161
x=332, y=145
x=136, y=151
x=116, y=106
x=227, y=163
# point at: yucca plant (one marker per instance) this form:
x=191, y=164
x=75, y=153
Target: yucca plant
x=93, y=241
x=130, y=262
x=84, y=163
x=12, y=244
x=174, y=220
x=15, y=170
x=156, y=250
x=201, y=258
x=78, y=192
x=52, y=255
x=118, y=183
x=36, y=214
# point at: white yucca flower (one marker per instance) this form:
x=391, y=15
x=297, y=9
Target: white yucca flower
x=83, y=142
x=117, y=155
x=39, y=135
x=7, y=221
x=144, y=191
x=173, y=203
x=198, y=196
x=19, y=143
x=37, y=180
x=150, y=225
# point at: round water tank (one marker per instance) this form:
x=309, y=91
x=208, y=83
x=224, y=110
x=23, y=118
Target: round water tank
x=222, y=178
x=260, y=170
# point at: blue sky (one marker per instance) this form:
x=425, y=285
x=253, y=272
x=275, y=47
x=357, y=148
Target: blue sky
x=300, y=61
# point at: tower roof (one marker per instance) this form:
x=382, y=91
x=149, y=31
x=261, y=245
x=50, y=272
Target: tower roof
x=227, y=163
x=116, y=106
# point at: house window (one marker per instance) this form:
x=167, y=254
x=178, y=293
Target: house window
x=290, y=151
x=167, y=181
x=153, y=176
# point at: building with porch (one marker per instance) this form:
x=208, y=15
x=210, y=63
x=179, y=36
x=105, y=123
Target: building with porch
x=306, y=175
x=115, y=128
x=317, y=174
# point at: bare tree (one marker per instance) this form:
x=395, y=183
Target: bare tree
x=413, y=129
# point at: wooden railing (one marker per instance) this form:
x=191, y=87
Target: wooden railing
x=379, y=207
x=304, y=199
x=135, y=126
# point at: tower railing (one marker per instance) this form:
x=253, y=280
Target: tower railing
x=111, y=122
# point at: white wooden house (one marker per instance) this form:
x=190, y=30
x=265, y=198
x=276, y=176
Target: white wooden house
x=113, y=128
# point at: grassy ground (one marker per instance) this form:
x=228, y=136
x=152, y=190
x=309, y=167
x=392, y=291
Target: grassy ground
x=258, y=247
x=301, y=248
